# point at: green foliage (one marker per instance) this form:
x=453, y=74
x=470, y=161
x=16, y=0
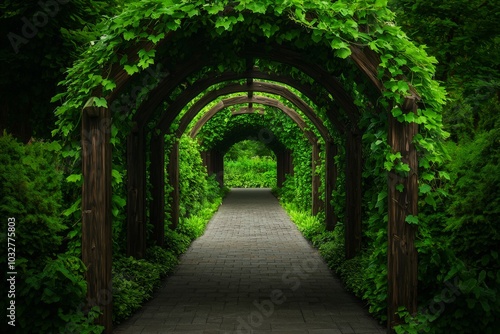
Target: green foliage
x=34, y=35
x=324, y=31
x=256, y=172
x=135, y=280
x=50, y=284
x=176, y=242
x=249, y=164
x=197, y=190
x=476, y=197
x=30, y=188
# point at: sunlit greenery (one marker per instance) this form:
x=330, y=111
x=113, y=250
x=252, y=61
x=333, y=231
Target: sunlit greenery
x=249, y=164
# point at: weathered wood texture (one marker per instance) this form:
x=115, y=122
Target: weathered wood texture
x=136, y=198
x=218, y=166
x=402, y=255
x=157, y=176
x=96, y=210
x=255, y=99
x=289, y=163
x=198, y=61
x=331, y=183
x=317, y=204
x=368, y=62
x=173, y=179
x=280, y=168
x=189, y=94
x=284, y=166
x=205, y=158
x=353, y=194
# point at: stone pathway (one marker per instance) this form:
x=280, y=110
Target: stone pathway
x=251, y=272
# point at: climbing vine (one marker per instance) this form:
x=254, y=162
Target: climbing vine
x=151, y=40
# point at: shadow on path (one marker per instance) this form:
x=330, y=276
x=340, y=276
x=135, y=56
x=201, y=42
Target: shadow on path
x=251, y=272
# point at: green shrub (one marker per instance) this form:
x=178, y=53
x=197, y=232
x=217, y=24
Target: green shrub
x=176, y=242
x=50, y=289
x=255, y=172
x=30, y=189
x=135, y=280
x=163, y=259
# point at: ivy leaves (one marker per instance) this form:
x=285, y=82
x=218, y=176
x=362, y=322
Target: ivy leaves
x=317, y=27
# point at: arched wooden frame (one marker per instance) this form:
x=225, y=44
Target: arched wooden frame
x=157, y=213
x=316, y=202
x=214, y=161
x=226, y=103
x=164, y=124
x=96, y=187
x=137, y=146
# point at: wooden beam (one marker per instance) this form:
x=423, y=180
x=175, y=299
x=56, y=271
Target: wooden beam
x=331, y=184
x=368, y=62
x=250, y=109
x=157, y=174
x=353, y=194
x=401, y=253
x=265, y=87
x=316, y=180
x=218, y=160
x=280, y=172
x=288, y=163
x=186, y=119
x=205, y=156
x=173, y=179
x=136, y=198
x=96, y=210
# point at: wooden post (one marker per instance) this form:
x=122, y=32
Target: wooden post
x=205, y=157
x=218, y=166
x=136, y=199
x=353, y=194
x=316, y=180
x=401, y=253
x=331, y=181
x=288, y=163
x=96, y=210
x=173, y=179
x=157, y=211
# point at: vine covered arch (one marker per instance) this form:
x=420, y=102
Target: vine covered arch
x=368, y=80
x=282, y=156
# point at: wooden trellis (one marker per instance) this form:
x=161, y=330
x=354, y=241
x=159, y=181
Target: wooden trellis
x=96, y=162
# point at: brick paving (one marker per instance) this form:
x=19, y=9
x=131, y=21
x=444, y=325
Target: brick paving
x=251, y=272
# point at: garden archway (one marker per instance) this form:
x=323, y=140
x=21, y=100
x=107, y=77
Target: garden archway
x=353, y=39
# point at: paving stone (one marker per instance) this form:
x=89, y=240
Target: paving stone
x=251, y=272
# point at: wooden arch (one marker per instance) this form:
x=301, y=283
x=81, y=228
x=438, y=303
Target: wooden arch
x=187, y=118
x=96, y=168
x=244, y=100
x=164, y=124
x=311, y=137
